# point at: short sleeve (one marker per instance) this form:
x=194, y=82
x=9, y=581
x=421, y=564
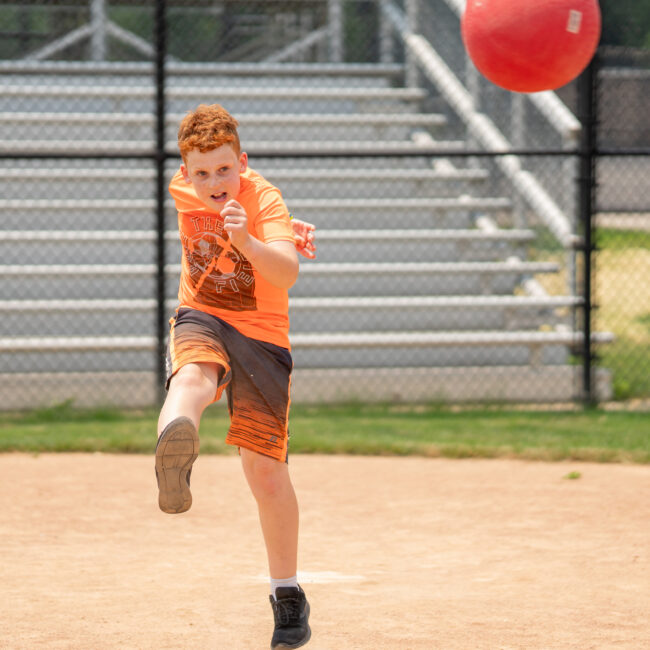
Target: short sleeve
x=273, y=222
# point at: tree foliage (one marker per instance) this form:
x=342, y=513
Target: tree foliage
x=626, y=22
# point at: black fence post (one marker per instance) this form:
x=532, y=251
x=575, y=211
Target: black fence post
x=161, y=312
x=587, y=113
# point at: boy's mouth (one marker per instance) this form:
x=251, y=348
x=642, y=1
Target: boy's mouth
x=219, y=197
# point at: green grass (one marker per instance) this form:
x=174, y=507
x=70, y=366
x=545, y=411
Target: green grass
x=630, y=366
x=623, y=298
x=622, y=240
x=593, y=435
x=621, y=302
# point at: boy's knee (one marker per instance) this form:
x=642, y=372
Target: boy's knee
x=195, y=378
x=267, y=475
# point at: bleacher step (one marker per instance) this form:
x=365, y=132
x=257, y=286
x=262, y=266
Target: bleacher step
x=307, y=304
x=124, y=317
x=139, y=127
x=58, y=69
x=327, y=350
x=330, y=340
x=274, y=175
x=246, y=120
x=297, y=183
x=324, y=235
x=203, y=93
x=321, y=279
x=425, y=309
x=414, y=245
x=310, y=269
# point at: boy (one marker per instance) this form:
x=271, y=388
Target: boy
x=231, y=332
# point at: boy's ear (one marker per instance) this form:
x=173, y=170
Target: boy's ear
x=243, y=162
x=185, y=173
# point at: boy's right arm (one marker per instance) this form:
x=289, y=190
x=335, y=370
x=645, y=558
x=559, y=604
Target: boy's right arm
x=276, y=261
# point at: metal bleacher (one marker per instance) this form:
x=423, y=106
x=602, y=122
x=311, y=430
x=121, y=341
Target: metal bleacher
x=422, y=289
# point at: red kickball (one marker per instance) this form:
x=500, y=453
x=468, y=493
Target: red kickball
x=531, y=45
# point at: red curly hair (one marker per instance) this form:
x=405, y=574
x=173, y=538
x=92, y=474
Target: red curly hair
x=207, y=128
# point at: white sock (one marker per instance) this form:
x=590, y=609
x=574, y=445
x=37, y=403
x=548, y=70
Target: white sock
x=283, y=582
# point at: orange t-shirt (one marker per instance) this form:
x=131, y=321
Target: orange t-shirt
x=215, y=277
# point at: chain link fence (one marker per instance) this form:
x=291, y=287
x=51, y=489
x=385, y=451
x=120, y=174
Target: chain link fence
x=451, y=215
x=622, y=259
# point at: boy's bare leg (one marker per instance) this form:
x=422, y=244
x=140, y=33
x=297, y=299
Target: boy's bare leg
x=278, y=509
x=191, y=389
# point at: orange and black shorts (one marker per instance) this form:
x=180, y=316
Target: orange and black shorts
x=256, y=376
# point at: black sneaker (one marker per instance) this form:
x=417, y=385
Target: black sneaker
x=177, y=449
x=291, y=614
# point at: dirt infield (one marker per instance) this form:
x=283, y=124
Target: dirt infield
x=396, y=553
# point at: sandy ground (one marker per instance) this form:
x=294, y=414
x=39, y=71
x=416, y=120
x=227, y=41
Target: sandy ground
x=395, y=553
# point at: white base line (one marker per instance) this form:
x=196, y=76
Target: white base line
x=319, y=577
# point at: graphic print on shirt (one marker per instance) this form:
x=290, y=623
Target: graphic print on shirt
x=220, y=275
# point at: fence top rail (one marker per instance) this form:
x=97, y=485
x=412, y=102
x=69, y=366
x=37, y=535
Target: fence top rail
x=270, y=149
x=207, y=69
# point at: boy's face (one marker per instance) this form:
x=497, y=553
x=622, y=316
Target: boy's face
x=214, y=175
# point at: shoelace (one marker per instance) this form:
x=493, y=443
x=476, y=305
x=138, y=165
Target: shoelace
x=287, y=610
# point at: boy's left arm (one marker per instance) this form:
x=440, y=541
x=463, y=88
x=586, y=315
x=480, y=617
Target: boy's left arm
x=276, y=261
x=304, y=234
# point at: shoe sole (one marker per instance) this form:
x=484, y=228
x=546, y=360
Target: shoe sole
x=300, y=643
x=176, y=451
